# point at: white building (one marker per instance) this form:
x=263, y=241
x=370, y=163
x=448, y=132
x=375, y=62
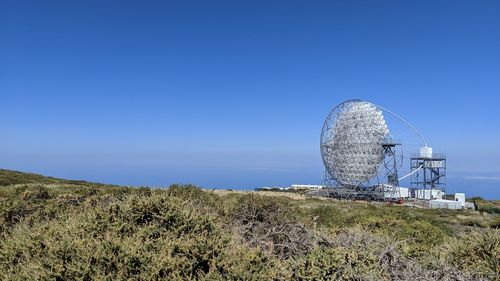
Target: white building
x=429, y=194
x=457, y=204
x=305, y=186
x=444, y=204
x=460, y=197
x=273, y=188
x=396, y=192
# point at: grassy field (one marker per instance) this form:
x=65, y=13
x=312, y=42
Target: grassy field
x=54, y=229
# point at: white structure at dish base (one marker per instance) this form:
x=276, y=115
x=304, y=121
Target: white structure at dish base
x=404, y=192
x=395, y=192
x=428, y=194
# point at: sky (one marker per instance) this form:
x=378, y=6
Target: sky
x=233, y=94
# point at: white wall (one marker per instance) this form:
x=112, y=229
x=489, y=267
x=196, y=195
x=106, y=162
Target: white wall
x=460, y=197
x=429, y=194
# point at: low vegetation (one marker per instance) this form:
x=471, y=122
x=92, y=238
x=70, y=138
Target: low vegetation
x=490, y=206
x=54, y=229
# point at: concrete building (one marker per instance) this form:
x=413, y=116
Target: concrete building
x=460, y=197
x=444, y=204
x=429, y=194
x=457, y=204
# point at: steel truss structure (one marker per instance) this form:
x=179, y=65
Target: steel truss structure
x=354, y=148
x=393, y=161
x=351, y=142
x=429, y=173
x=378, y=190
x=337, y=190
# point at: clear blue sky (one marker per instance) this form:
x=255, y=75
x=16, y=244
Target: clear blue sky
x=234, y=93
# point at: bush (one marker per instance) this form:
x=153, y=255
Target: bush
x=271, y=223
x=203, y=200
x=477, y=252
x=491, y=207
x=67, y=230
x=351, y=255
x=158, y=234
x=38, y=192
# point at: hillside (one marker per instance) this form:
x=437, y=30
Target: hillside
x=64, y=230
x=8, y=177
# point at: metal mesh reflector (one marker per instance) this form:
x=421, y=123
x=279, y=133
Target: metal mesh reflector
x=351, y=142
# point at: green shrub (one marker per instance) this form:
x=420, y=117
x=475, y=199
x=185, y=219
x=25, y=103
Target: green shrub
x=38, y=192
x=66, y=230
x=339, y=263
x=491, y=207
x=205, y=201
x=159, y=234
x=477, y=252
x=257, y=208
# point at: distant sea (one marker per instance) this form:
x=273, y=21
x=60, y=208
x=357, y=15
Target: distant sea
x=483, y=184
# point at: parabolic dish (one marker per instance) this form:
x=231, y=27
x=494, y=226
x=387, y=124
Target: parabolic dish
x=351, y=142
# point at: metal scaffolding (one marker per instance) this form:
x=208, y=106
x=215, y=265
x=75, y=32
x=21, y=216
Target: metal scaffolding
x=392, y=162
x=429, y=175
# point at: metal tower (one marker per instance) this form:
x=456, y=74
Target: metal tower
x=428, y=179
x=392, y=162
